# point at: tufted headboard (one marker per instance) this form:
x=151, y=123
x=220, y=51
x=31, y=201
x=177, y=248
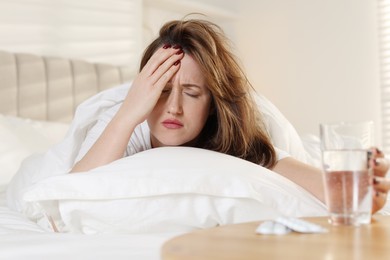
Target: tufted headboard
x=50, y=88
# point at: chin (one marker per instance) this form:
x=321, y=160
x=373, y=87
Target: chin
x=187, y=143
x=174, y=144
x=167, y=140
x=171, y=143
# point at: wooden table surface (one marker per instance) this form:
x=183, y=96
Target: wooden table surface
x=239, y=241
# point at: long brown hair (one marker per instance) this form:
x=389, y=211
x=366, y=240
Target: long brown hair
x=234, y=126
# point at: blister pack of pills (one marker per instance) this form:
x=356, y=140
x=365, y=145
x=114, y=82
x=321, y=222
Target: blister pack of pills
x=284, y=225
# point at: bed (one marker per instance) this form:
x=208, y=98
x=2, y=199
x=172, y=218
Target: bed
x=47, y=90
x=38, y=97
x=128, y=209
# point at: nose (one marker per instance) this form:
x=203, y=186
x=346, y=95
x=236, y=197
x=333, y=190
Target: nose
x=174, y=104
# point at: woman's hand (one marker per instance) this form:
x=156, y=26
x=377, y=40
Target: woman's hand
x=381, y=184
x=149, y=83
x=139, y=102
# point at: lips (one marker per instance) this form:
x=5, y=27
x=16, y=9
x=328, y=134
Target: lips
x=172, y=124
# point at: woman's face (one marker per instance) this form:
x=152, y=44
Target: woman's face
x=183, y=108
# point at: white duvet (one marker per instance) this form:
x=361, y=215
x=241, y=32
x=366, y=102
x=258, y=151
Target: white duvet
x=174, y=189
x=22, y=239
x=132, y=206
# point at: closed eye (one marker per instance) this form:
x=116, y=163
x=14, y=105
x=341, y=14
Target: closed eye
x=192, y=90
x=192, y=95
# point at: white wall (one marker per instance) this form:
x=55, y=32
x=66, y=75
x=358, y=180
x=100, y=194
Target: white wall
x=158, y=12
x=315, y=60
x=108, y=31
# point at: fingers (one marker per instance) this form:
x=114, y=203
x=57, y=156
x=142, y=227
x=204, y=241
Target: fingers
x=381, y=166
x=381, y=184
x=166, y=76
x=379, y=163
x=166, y=70
x=156, y=59
x=161, y=61
x=377, y=153
x=147, y=87
x=381, y=188
x=379, y=201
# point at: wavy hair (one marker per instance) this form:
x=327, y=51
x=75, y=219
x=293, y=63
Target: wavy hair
x=234, y=126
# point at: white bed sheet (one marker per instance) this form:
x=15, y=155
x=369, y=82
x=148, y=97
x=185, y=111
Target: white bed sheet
x=21, y=239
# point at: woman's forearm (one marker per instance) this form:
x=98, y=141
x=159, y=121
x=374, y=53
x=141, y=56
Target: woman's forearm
x=306, y=176
x=110, y=146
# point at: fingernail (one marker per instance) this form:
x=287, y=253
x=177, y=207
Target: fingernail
x=176, y=46
x=176, y=62
x=167, y=45
x=179, y=52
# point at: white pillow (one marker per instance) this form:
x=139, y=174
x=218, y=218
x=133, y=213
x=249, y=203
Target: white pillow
x=311, y=142
x=283, y=133
x=20, y=138
x=167, y=189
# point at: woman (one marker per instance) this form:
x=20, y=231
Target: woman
x=192, y=92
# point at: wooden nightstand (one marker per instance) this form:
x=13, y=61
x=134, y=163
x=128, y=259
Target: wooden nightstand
x=239, y=241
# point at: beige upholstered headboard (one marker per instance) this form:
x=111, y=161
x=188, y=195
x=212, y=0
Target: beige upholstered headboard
x=50, y=88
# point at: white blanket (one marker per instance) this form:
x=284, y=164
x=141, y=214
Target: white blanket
x=60, y=159
x=160, y=190
x=22, y=239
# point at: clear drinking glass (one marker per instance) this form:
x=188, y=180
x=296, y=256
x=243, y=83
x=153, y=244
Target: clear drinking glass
x=347, y=173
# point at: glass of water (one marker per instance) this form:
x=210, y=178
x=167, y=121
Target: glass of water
x=347, y=172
